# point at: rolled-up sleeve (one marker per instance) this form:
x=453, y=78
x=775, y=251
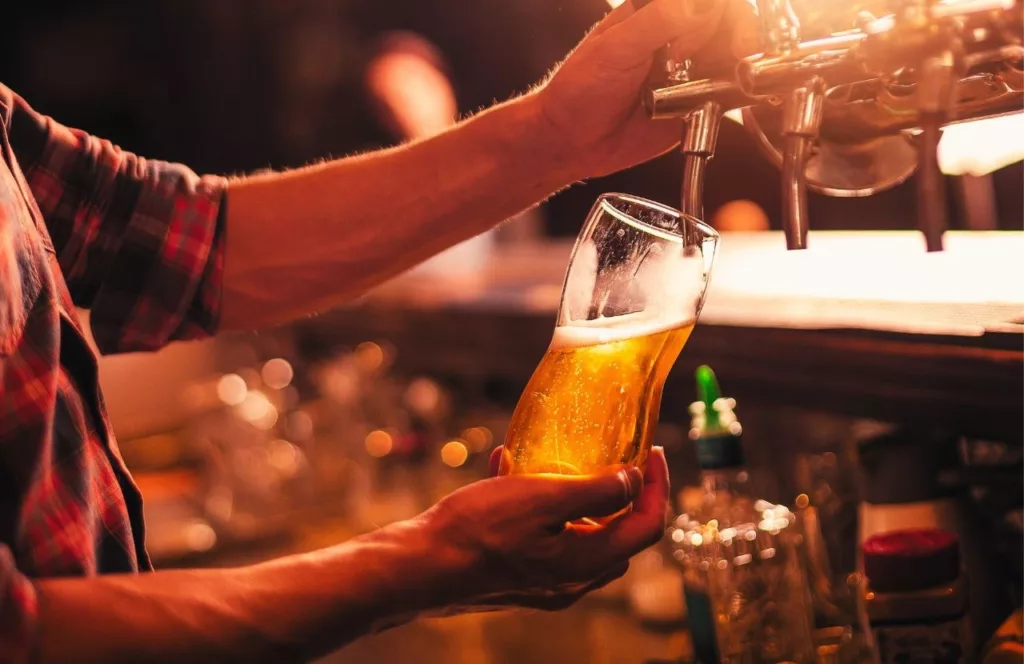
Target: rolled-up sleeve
x=18, y=611
x=140, y=242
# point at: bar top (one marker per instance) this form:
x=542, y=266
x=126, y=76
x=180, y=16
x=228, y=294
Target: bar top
x=863, y=324
x=881, y=281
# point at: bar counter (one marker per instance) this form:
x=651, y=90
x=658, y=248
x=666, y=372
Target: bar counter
x=865, y=325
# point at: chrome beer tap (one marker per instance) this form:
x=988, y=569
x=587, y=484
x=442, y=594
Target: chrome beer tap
x=698, y=146
x=849, y=97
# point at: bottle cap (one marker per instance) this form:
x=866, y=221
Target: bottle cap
x=909, y=560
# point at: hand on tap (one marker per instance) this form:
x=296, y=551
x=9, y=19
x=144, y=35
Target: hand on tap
x=592, y=102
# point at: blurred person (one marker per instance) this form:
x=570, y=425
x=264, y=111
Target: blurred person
x=160, y=254
x=408, y=82
x=410, y=88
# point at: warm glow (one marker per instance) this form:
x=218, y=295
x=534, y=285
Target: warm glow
x=379, y=443
x=615, y=3
x=423, y=396
x=300, y=426
x=284, y=457
x=277, y=374
x=257, y=409
x=200, y=536
x=231, y=389
x=478, y=439
x=982, y=146
x=454, y=453
x=369, y=356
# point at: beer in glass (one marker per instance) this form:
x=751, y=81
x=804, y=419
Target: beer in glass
x=632, y=293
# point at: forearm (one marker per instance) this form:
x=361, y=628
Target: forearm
x=292, y=609
x=301, y=241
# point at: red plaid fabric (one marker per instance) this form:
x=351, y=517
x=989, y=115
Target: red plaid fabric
x=140, y=244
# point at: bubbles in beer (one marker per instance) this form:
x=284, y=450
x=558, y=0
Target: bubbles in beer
x=594, y=399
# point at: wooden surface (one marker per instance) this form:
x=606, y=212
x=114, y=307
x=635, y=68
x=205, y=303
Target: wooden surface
x=914, y=338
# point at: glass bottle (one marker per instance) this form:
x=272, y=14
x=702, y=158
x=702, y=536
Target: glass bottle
x=746, y=590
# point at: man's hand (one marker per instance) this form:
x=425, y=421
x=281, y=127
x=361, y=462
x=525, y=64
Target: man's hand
x=518, y=540
x=593, y=101
x=502, y=542
x=306, y=240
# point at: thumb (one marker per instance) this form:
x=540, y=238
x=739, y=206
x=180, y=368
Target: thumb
x=688, y=23
x=494, y=462
x=572, y=498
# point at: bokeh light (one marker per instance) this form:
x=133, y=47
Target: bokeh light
x=478, y=439
x=231, y=389
x=454, y=453
x=379, y=443
x=277, y=373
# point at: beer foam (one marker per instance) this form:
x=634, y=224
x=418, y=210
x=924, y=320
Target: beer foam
x=582, y=333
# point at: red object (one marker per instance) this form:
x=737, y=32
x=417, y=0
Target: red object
x=140, y=243
x=908, y=560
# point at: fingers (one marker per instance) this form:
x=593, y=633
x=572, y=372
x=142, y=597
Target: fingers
x=687, y=23
x=494, y=463
x=617, y=15
x=741, y=16
x=559, y=499
x=599, y=496
x=636, y=531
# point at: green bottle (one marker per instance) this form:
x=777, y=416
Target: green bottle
x=745, y=590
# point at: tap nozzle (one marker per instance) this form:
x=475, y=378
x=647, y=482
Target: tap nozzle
x=935, y=99
x=801, y=122
x=698, y=147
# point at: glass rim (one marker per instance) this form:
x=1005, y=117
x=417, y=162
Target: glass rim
x=606, y=203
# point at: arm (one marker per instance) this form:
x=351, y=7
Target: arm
x=302, y=241
x=500, y=542
x=289, y=610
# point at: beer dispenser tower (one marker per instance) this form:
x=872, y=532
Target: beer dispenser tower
x=849, y=98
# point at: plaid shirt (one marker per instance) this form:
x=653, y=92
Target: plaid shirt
x=140, y=244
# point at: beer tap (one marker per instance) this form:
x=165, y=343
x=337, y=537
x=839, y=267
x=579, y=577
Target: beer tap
x=848, y=97
x=698, y=147
x=935, y=96
x=800, y=126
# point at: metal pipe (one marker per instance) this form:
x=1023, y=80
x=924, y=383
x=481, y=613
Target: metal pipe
x=794, y=191
x=698, y=147
x=681, y=100
x=800, y=124
x=832, y=58
x=931, y=185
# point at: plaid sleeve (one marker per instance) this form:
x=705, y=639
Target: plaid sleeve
x=140, y=242
x=17, y=612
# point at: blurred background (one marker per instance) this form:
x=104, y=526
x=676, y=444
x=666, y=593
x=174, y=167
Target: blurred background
x=251, y=446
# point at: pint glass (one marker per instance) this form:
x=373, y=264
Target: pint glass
x=632, y=293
